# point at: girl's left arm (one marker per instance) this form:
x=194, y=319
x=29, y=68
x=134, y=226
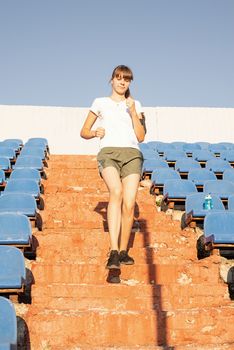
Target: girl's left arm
x=136, y=120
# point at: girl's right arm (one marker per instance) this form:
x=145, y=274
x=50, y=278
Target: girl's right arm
x=86, y=131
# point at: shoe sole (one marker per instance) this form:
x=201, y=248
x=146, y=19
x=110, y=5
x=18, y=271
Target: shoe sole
x=113, y=267
x=127, y=263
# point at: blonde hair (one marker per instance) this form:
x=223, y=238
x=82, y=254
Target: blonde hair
x=125, y=72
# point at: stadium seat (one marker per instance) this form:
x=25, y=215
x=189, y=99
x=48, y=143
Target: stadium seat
x=218, y=166
x=203, y=144
x=34, y=152
x=218, y=234
x=153, y=144
x=184, y=165
x=221, y=188
x=5, y=165
x=194, y=209
x=27, y=173
x=8, y=325
x=2, y=179
x=159, y=177
x=149, y=165
x=228, y=155
x=199, y=176
x=176, y=191
x=12, y=272
x=21, y=203
x=190, y=147
x=143, y=146
x=15, y=229
x=179, y=144
x=231, y=203
x=171, y=156
x=30, y=162
x=202, y=155
x=228, y=175
x=8, y=152
x=38, y=142
x=228, y=145
x=163, y=147
x=216, y=148
x=150, y=154
x=27, y=186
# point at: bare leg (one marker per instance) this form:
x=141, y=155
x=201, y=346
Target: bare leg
x=130, y=186
x=112, y=180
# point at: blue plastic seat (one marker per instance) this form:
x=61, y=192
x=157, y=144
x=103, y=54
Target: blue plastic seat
x=18, y=141
x=171, y=156
x=27, y=186
x=33, y=151
x=190, y=147
x=228, y=155
x=217, y=165
x=163, y=147
x=7, y=152
x=202, y=155
x=199, y=176
x=8, y=324
x=203, y=144
x=184, y=165
x=231, y=202
x=159, y=177
x=2, y=177
x=5, y=163
x=143, y=146
x=12, y=272
x=219, y=228
x=221, y=188
x=16, y=145
x=228, y=145
x=175, y=191
x=150, y=154
x=216, y=148
x=178, y=188
x=31, y=162
x=21, y=203
x=228, y=175
x=194, y=209
x=149, y=165
x=15, y=229
x=179, y=144
x=154, y=144
x=26, y=173
x=38, y=142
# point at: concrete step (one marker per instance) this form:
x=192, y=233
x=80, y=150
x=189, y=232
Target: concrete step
x=105, y=328
x=129, y=296
x=195, y=272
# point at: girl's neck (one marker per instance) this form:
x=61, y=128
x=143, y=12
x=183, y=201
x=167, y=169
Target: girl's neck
x=117, y=98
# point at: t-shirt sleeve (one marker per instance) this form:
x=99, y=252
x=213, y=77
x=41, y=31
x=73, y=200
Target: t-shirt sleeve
x=95, y=107
x=139, y=108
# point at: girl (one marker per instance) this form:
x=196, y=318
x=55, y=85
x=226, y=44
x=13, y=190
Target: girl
x=119, y=158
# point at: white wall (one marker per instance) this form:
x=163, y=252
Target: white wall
x=61, y=125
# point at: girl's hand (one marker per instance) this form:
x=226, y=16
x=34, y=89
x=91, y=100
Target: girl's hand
x=131, y=105
x=100, y=132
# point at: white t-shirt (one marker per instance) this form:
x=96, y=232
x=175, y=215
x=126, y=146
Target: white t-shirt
x=114, y=117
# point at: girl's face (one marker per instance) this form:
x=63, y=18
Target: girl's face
x=120, y=84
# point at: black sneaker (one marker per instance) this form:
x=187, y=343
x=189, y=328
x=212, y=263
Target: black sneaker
x=125, y=259
x=113, y=261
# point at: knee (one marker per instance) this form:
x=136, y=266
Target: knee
x=128, y=207
x=116, y=194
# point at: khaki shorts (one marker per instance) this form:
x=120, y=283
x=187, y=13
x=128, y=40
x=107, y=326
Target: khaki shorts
x=126, y=160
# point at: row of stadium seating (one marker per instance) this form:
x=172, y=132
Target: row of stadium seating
x=20, y=202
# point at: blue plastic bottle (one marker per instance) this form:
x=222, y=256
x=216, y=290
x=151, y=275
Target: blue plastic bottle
x=208, y=203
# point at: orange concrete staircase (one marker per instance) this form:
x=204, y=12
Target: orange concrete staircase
x=167, y=300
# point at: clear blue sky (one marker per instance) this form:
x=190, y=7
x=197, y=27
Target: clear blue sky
x=62, y=52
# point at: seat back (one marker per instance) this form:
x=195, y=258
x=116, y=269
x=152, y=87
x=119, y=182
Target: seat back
x=217, y=165
x=219, y=187
x=7, y=152
x=152, y=164
x=28, y=162
x=12, y=263
x=185, y=164
x=178, y=188
x=174, y=155
x=5, y=163
x=194, y=202
x=218, y=224
x=160, y=175
x=2, y=176
x=228, y=175
x=26, y=173
x=14, y=224
x=202, y=155
x=8, y=323
x=198, y=176
x=22, y=185
x=13, y=202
